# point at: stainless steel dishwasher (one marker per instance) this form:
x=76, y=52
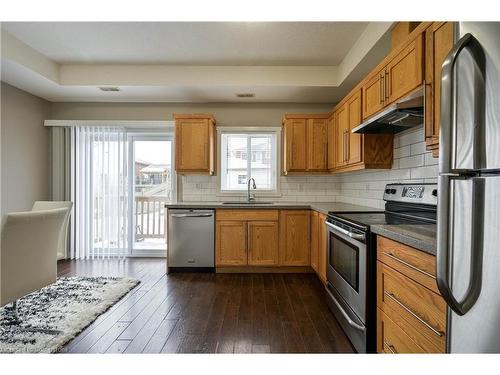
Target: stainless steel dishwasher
x=190, y=240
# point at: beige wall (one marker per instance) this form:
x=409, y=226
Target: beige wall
x=24, y=149
x=232, y=114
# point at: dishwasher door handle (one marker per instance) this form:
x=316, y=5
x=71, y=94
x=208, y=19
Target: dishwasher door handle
x=191, y=215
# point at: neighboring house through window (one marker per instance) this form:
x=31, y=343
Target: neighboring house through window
x=249, y=154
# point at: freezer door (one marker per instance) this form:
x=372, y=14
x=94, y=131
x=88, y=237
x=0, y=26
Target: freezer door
x=469, y=106
x=478, y=330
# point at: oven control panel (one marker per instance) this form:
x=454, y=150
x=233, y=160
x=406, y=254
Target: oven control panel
x=411, y=193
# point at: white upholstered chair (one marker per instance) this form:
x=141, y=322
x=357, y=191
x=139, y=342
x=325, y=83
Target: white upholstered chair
x=28, y=253
x=63, y=239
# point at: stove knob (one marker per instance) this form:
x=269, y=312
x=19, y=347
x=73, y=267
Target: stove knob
x=435, y=192
x=388, y=191
x=393, y=191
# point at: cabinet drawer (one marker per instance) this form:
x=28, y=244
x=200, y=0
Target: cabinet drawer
x=392, y=339
x=400, y=297
x=247, y=215
x=414, y=263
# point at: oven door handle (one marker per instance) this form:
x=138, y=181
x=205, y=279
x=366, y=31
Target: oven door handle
x=351, y=322
x=355, y=236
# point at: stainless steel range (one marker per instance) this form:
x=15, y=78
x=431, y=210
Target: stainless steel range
x=351, y=264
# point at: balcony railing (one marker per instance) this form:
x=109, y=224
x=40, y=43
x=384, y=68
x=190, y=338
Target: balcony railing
x=150, y=217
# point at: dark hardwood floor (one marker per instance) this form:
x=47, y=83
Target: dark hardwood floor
x=208, y=313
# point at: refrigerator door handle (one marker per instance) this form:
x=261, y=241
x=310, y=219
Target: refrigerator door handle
x=444, y=259
x=447, y=141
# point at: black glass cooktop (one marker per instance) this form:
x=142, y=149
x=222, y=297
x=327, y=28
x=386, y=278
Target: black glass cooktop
x=366, y=219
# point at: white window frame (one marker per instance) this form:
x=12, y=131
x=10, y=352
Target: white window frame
x=245, y=130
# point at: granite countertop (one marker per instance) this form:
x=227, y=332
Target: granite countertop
x=420, y=236
x=323, y=207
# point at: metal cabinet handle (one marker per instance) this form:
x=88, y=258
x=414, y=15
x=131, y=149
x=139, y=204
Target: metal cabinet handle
x=391, y=347
x=351, y=322
x=408, y=264
x=356, y=236
x=191, y=215
x=447, y=144
x=415, y=315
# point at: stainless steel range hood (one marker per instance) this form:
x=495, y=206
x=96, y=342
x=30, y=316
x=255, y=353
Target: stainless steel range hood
x=406, y=113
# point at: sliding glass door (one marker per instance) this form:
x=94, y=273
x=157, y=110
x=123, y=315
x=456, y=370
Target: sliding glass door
x=152, y=185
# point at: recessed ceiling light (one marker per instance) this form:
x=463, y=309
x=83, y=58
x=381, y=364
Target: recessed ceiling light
x=245, y=95
x=106, y=89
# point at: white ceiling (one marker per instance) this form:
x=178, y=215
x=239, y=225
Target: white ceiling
x=190, y=43
x=191, y=62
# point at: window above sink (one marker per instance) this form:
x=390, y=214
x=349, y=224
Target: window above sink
x=244, y=153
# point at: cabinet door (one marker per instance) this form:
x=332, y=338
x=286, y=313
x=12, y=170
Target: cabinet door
x=322, y=249
x=355, y=145
x=263, y=243
x=295, y=238
x=192, y=145
x=231, y=243
x=295, y=145
x=317, y=144
x=332, y=147
x=341, y=136
x=373, y=94
x=392, y=339
x=438, y=43
x=404, y=72
x=314, y=240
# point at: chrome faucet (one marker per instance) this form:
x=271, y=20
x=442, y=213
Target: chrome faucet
x=251, y=197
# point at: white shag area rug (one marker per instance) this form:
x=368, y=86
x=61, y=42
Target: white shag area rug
x=69, y=305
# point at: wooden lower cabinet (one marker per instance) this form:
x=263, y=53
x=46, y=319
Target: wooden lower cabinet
x=231, y=243
x=322, y=248
x=318, y=244
x=295, y=238
x=315, y=241
x=392, y=339
x=411, y=315
x=263, y=243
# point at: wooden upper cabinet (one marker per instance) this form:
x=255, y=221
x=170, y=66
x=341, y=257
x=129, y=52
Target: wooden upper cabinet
x=194, y=144
x=231, y=243
x=404, y=73
x=332, y=147
x=295, y=238
x=305, y=143
x=373, y=93
x=294, y=144
x=438, y=43
x=355, y=144
x=317, y=144
x=263, y=243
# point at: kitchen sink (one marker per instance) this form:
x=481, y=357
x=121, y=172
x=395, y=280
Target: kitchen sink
x=249, y=203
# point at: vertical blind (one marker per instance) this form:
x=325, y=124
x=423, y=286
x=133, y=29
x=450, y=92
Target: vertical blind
x=99, y=167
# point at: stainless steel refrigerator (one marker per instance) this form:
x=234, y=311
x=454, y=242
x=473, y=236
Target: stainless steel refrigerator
x=468, y=256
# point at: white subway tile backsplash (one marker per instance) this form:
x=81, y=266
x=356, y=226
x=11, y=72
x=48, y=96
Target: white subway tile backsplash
x=417, y=148
x=411, y=161
x=401, y=152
